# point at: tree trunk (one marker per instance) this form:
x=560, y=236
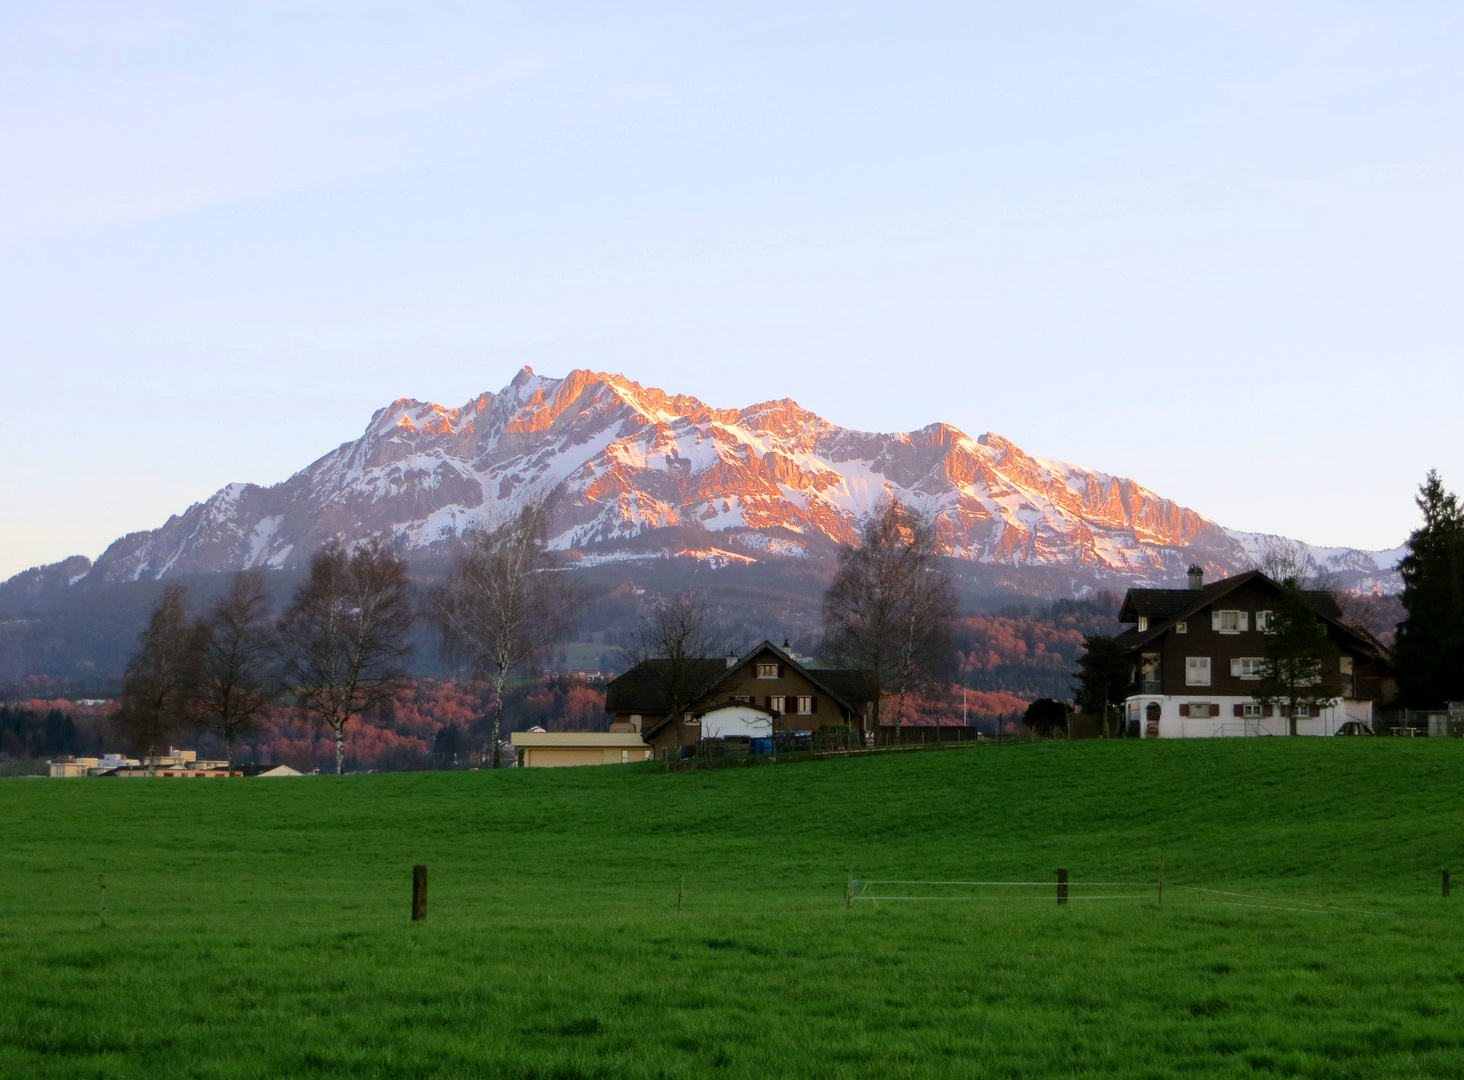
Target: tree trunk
x=340, y=733
x=231, y=756
x=498, y=720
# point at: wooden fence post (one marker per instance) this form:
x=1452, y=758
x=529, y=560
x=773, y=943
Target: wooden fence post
x=1062, y=884
x=419, y=893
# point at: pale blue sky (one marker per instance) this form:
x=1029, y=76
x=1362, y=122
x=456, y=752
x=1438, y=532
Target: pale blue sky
x=1215, y=246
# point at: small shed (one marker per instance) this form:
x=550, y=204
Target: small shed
x=541, y=749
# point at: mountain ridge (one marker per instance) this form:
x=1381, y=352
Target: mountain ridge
x=621, y=462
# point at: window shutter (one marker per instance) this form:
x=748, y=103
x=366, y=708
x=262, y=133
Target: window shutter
x=1184, y=710
x=813, y=705
x=1235, y=672
x=780, y=671
x=1239, y=709
x=1214, y=619
x=768, y=700
x=1245, y=620
x=1267, y=710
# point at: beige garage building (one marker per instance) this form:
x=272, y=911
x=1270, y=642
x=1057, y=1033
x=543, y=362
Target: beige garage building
x=539, y=749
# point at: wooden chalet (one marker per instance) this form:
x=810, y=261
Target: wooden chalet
x=1197, y=655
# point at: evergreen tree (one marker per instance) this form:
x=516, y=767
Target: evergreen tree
x=1300, y=669
x=1429, y=650
x=1046, y=717
x=1105, y=671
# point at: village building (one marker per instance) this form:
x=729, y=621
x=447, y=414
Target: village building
x=1198, y=653
x=757, y=696
x=543, y=749
x=174, y=763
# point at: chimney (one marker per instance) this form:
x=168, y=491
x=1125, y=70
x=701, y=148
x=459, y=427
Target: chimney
x=731, y=660
x=787, y=645
x=1196, y=576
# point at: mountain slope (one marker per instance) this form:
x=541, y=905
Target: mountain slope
x=621, y=461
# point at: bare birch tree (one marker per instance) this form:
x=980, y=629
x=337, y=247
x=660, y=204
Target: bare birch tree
x=235, y=669
x=155, y=687
x=890, y=608
x=344, y=637
x=503, y=603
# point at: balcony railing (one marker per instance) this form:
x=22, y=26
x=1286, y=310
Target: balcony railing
x=1149, y=686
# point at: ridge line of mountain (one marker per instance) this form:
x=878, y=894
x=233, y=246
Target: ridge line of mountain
x=625, y=463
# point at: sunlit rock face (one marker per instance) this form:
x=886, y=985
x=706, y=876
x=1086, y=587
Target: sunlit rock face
x=618, y=460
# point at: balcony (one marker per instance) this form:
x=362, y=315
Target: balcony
x=1149, y=686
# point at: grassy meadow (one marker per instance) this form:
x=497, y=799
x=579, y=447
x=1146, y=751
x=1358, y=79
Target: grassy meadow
x=259, y=928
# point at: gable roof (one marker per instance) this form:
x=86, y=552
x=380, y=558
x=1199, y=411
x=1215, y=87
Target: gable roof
x=1165, y=607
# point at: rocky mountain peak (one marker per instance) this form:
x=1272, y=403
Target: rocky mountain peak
x=621, y=460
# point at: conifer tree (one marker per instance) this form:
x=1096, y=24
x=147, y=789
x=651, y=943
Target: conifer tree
x=1105, y=671
x=1429, y=650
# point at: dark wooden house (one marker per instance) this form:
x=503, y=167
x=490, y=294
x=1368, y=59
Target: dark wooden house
x=1197, y=655
x=763, y=691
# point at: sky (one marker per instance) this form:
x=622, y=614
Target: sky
x=1213, y=245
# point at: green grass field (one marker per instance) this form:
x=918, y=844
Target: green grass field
x=260, y=928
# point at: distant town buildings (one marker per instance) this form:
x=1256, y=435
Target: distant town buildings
x=176, y=763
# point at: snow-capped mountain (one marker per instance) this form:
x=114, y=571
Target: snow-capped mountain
x=771, y=480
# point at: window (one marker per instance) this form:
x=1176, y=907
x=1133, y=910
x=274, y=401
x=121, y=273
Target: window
x=1197, y=671
x=1143, y=623
x=1303, y=711
x=1251, y=712
x=1263, y=621
x=1345, y=663
x=805, y=705
x=624, y=756
x=1198, y=710
x=767, y=671
x=1229, y=622
x=1247, y=667
x=1181, y=628
x=776, y=703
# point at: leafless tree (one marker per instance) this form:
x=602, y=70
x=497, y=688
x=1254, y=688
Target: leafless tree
x=1286, y=560
x=343, y=639
x=155, y=687
x=890, y=608
x=679, y=631
x=1289, y=560
x=503, y=603
x=235, y=671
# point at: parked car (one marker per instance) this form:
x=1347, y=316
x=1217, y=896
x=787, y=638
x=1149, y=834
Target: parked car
x=1354, y=727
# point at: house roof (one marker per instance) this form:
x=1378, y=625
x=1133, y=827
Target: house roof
x=646, y=688
x=1165, y=607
